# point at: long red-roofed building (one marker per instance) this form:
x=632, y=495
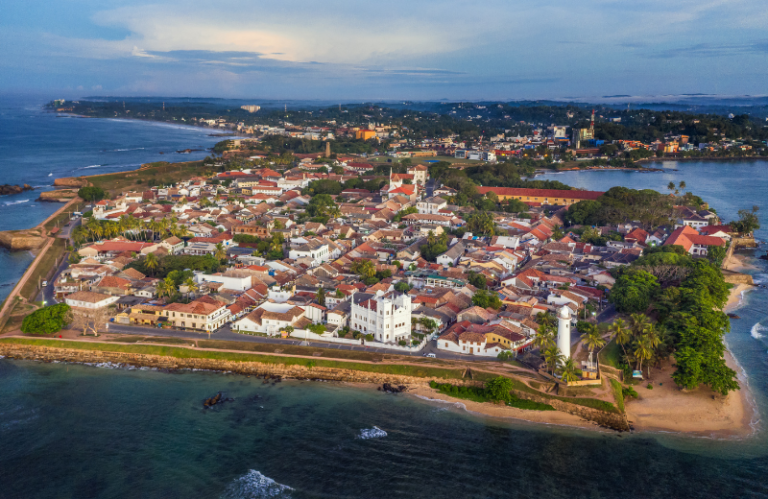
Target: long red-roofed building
x=545, y=196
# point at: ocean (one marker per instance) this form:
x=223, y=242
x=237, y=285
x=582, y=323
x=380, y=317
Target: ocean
x=37, y=147
x=100, y=432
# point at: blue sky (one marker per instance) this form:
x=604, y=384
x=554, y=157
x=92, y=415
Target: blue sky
x=417, y=49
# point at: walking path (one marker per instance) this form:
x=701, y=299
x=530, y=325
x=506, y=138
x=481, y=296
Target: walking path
x=11, y=300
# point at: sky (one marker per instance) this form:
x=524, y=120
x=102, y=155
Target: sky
x=410, y=50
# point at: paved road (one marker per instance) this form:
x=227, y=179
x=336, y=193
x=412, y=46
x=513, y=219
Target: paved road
x=430, y=187
x=225, y=333
x=47, y=293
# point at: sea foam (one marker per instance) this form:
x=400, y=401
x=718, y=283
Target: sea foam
x=755, y=332
x=374, y=432
x=20, y=201
x=254, y=485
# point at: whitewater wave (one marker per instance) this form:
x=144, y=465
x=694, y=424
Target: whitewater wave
x=756, y=333
x=374, y=432
x=254, y=485
x=20, y=201
x=132, y=149
x=92, y=166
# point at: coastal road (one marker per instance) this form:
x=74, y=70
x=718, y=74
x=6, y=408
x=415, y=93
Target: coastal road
x=225, y=333
x=430, y=187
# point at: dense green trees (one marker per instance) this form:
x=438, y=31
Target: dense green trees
x=92, y=194
x=620, y=204
x=46, y=320
x=747, y=222
x=633, y=291
x=486, y=299
x=481, y=223
x=169, y=263
x=436, y=245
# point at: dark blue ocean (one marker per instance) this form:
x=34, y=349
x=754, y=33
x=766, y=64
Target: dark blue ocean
x=94, y=432
x=37, y=147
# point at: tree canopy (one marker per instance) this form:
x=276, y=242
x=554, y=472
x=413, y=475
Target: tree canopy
x=46, y=320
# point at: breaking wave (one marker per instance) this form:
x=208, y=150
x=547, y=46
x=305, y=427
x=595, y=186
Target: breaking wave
x=374, y=432
x=132, y=149
x=20, y=201
x=254, y=485
x=92, y=166
x=755, y=332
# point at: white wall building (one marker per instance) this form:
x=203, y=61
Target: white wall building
x=386, y=316
x=92, y=300
x=228, y=282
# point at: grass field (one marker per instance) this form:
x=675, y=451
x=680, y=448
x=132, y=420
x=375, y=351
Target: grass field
x=186, y=353
x=47, y=262
x=291, y=350
x=62, y=218
x=161, y=172
x=611, y=354
x=616, y=387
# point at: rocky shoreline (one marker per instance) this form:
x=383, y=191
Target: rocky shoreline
x=8, y=189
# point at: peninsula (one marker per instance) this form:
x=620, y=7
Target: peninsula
x=455, y=278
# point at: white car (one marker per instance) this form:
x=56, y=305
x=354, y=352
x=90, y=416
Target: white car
x=45, y=283
x=430, y=355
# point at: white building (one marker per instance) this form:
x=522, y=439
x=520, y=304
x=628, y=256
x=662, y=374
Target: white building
x=92, y=300
x=228, y=282
x=431, y=206
x=315, y=251
x=386, y=316
x=271, y=318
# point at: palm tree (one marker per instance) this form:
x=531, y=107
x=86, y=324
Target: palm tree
x=622, y=334
x=220, y=252
x=639, y=323
x=553, y=357
x=569, y=371
x=166, y=287
x=431, y=238
x=151, y=263
x=545, y=338
x=191, y=286
x=592, y=339
x=643, y=351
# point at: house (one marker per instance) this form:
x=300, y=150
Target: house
x=693, y=242
x=272, y=318
x=89, y=300
x=431, y=206
x=173, y=244
x=203, y=314
x=542, y=196
x=315, y=251
x=452, y=256
x=420, y=174
x=234, y=283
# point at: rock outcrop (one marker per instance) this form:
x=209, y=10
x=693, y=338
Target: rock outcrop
x=6, y=189
x=70, y=182
x=17, y=240
x=59, y=195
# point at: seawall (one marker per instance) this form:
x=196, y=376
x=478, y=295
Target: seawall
x=50, y=354
x=613, y=420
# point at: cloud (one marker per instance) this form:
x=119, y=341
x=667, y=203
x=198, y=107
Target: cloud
x=713, y=50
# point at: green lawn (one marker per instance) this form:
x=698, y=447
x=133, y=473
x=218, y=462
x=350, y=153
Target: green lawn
x=291, y=350
x=186, y=353
x=47, y=262
x=616, y=387
x=477, y=394
x=611, y=354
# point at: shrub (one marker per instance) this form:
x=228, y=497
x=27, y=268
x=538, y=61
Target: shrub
x=650, y=386
x=47, y=320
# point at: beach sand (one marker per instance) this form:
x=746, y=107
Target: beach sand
x=503, y=411
x=668, y=408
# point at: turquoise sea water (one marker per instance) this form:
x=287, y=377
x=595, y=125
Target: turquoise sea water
x=85, y=431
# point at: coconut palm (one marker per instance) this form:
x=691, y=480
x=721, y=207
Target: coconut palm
x=592, y=339
x=191, y=286
x=166, y=287
x=220, y=252
x=545, y=338
x=569, y=371
x=643, y=351
x=151, y=263
x=621, y=333
x=639, y=324
x=553, y=357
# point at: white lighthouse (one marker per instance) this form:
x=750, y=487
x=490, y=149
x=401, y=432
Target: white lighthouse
x=564, y=331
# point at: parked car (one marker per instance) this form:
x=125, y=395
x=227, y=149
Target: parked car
x=44, y=284
x=430, y=355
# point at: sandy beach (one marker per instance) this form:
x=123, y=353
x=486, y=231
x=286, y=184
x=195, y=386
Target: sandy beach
x=503, y=411
x=668, y=408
